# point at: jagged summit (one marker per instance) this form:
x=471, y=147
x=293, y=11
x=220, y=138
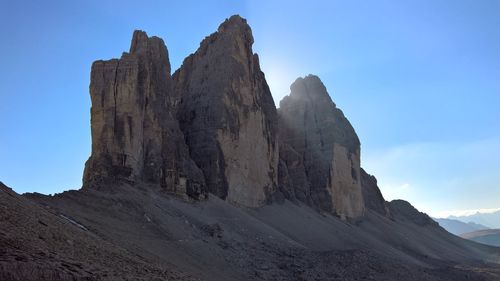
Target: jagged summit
x=152, y=46
x=236, y=24
x=233, y=36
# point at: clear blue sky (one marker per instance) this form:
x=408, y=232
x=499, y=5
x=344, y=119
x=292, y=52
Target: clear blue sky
x=419, y=80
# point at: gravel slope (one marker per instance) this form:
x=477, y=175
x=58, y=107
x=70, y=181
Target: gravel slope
x=213, y=240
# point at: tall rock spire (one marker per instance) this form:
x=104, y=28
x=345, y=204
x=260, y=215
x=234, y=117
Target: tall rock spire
x=319, y=151
x=228, y=116
x=135, y=136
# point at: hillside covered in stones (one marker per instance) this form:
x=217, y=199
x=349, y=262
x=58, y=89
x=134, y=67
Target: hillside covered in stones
x=197, y=175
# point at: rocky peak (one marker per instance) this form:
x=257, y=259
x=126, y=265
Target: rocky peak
x=236, y=24
x=135, y=137
x=236, y=36
x=309, y=96
x=152, y=47
x=319, y=151
x=228, y=116
x=231, y=46
x=309, y=88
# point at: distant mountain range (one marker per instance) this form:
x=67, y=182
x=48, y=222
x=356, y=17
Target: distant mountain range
x=491, y=220
x=476, y=227
x=458, y=227
x=485, y=236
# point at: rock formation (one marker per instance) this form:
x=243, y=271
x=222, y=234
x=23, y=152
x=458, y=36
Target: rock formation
x=135, y=136
x=319, y=151
x=213, y=128
x=371, y=194
x=228, y=116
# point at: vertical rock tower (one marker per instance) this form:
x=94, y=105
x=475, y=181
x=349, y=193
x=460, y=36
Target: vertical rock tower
x=135, y=136
x=228, y=116
x=319, y=151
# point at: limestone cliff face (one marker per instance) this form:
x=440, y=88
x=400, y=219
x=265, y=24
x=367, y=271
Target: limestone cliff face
x=135, y=136
x=319, y=151
x=228, y=116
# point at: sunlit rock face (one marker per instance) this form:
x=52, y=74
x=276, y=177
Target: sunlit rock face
x=135, y=136
x=228, y=116
x=319, y=151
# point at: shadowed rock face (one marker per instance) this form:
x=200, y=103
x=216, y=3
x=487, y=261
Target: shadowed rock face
x=371, y=194
x=319, y=151
x=135, y=136
x=228, y=116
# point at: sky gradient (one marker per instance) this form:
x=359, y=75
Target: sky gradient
x=419, y=81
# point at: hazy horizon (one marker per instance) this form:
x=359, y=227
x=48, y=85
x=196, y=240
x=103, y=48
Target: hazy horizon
x=418, y=81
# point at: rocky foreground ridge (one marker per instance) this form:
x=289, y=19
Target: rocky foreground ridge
x=198, y=176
